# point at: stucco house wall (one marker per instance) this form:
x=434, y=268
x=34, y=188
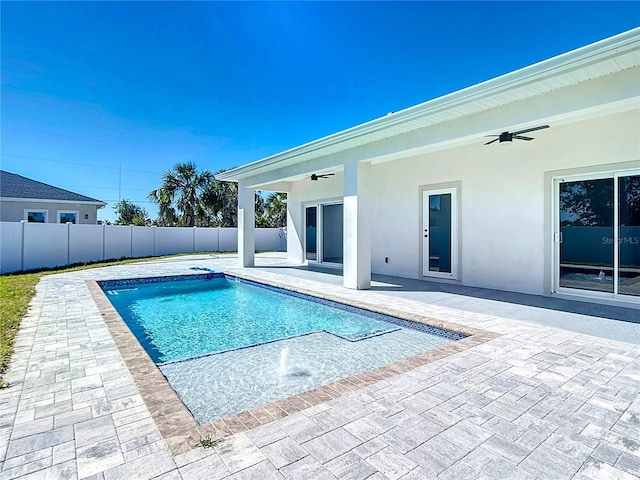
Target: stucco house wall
x=20, y=196
x=504, y=212
x=503, y=209
x=14, y=211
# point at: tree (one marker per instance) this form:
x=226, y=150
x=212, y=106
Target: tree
x=131, y=214
x=221, y=202
x=191, y=198
x=180, y=197
x=590, y=203
x=629, y=192
x=276, y=210
x=261, y=219
x=587, y=203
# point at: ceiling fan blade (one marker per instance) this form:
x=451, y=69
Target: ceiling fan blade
x=315, y=176
x=530, y=129
x=519, y=137
x=494, y=140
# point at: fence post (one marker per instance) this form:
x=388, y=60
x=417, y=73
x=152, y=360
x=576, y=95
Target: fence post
x=193, y=249
x=154, y=241
x=22, y=246
x=130, y=241
x=104, y=240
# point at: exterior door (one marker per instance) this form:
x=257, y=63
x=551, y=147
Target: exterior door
x=323, y=233
x=597, y=235
x=332, y=233
x=440, y=233
x=311, y=233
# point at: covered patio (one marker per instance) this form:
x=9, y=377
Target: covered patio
x=527, y=182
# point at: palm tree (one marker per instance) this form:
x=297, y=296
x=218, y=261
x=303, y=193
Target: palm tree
x=276, y=209
x=221, y=201
x=179, y=198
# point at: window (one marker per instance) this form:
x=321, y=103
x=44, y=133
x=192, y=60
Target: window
x=65, y=216
x=35, y=216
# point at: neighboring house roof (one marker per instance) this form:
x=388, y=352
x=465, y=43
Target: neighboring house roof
x=13, y=186
x=608, y=56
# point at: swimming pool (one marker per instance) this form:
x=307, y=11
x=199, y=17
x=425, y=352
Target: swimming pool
x=226, y=345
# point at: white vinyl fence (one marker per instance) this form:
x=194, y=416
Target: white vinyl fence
x=25, y=246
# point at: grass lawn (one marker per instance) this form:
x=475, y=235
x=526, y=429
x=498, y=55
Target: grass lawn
x=17, y=290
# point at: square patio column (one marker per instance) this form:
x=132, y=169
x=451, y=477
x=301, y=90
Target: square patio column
x=295, y=229
x=357, y=236
x=246, y=225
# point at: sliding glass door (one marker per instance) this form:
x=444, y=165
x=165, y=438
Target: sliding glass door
x=628, y=277
x=332, y=233
x=324, y=233
x=311, y=233
x=598, y=234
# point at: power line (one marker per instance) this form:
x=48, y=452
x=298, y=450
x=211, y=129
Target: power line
x=132, y=201
x=77, y=163
x=103, y=188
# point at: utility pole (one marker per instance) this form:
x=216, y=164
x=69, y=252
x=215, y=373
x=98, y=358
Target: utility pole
x=119, y=182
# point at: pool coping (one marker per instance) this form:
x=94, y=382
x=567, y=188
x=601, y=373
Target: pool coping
x=179, y=429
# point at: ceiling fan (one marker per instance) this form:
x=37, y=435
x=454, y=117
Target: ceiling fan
x=509, y=136
x=314, y=176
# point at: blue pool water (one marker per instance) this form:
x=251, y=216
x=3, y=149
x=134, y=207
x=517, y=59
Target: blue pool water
x=226, y=346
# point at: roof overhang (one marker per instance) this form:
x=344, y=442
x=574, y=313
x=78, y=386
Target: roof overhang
x=608, y=56
x=98, y=204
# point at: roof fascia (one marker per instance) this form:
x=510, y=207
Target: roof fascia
x=564, y=63
x=49, y=200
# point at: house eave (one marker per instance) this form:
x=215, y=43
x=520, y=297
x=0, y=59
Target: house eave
x=596, y=60
x=98, y=204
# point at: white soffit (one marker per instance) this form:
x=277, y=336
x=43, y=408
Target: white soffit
x=605, y=57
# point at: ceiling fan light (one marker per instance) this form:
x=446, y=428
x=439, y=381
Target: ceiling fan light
x=506, y=138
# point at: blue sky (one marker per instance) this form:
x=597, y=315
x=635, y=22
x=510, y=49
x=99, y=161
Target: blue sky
x=102, y=97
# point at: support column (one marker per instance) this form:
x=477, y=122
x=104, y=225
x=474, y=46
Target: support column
x=246, y=225
x=357, y=236
x=295, y=229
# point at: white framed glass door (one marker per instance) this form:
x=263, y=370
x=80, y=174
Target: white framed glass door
x=323, y=233
x=311, y=233
x=597, y=235
x=440, y=233
x=332, y=244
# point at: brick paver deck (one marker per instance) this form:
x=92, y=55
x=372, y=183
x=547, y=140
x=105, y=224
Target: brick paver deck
x=529, y=401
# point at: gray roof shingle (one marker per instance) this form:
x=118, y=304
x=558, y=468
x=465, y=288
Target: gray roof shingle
x=17, y=186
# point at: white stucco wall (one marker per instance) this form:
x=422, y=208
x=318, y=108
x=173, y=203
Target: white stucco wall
x=13, y=211
x=503, y=212
x=501, y=200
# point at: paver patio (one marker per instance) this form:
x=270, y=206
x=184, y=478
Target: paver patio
x=533, y=402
